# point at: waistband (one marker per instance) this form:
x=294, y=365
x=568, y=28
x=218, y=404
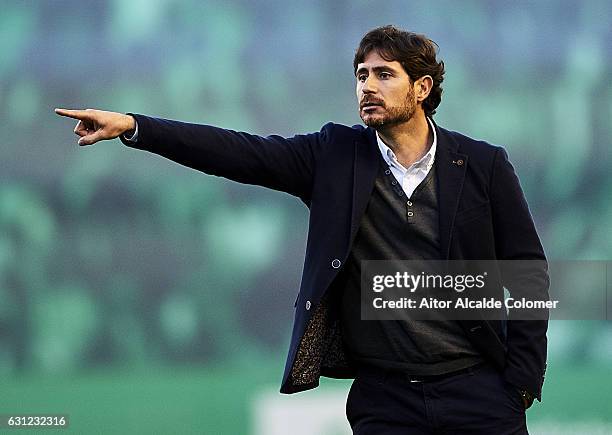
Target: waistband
x=382, y=373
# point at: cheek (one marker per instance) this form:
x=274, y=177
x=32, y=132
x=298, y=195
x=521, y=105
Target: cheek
x=403, y=94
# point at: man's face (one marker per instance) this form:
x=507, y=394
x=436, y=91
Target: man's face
x=384, y=92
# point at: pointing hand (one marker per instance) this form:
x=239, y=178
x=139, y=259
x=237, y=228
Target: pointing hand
x=96, y=125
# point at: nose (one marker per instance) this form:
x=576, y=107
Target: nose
x=369, y=85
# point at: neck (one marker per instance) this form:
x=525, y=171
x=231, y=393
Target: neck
x=410, y=140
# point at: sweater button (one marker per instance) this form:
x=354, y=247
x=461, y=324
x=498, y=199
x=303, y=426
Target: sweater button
x=308, y=305
x=336, y=263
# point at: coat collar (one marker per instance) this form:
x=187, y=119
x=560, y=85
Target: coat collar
x=451, y=166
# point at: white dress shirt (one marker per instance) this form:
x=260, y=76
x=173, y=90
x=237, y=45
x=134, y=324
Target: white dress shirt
x=409, y=178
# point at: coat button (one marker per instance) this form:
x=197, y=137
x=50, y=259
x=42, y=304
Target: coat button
x=459, y=162
x=336, y=263
x=308, y=305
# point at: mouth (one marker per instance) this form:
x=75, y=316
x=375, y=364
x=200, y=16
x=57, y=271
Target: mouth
x=370, y=107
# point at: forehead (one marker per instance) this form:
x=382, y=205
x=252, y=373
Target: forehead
x=374, y=59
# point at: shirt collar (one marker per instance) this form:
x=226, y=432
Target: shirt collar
x=425, y=162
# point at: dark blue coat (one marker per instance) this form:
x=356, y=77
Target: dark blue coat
x=483, y=216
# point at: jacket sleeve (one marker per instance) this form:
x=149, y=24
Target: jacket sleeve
x=525, y=276
x=284, y=164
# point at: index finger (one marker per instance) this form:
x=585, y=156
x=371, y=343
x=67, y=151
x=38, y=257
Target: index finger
x=76, y=114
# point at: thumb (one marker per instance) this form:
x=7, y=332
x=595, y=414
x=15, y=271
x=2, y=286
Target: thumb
x=91, y=139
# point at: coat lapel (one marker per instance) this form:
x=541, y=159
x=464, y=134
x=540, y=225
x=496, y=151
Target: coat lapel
x=451, y=167
x=364, y=173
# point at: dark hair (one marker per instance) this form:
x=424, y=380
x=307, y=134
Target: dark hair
x=416, y=53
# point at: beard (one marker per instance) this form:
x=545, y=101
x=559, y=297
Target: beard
x=392, y=116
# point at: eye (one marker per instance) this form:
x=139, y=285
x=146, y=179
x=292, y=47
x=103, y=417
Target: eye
x=384, y=75
x=362, y=77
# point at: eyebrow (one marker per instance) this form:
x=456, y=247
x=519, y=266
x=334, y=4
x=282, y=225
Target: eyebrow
x=376, y=69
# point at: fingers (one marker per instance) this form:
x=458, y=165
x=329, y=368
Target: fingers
x=82, y=129
x=92, y=138
x=76, y=114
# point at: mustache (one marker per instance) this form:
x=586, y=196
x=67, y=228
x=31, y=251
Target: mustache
x=371, y=102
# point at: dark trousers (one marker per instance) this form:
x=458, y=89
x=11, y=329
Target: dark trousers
x=474, y=401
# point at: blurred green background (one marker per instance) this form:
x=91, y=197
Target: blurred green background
x=139, y=296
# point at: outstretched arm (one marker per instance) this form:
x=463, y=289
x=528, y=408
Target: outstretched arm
x=284, y=164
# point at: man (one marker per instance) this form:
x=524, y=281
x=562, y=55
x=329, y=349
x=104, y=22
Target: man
x=402, y=188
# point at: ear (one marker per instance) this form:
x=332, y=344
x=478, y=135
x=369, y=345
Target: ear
x=422, y=88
